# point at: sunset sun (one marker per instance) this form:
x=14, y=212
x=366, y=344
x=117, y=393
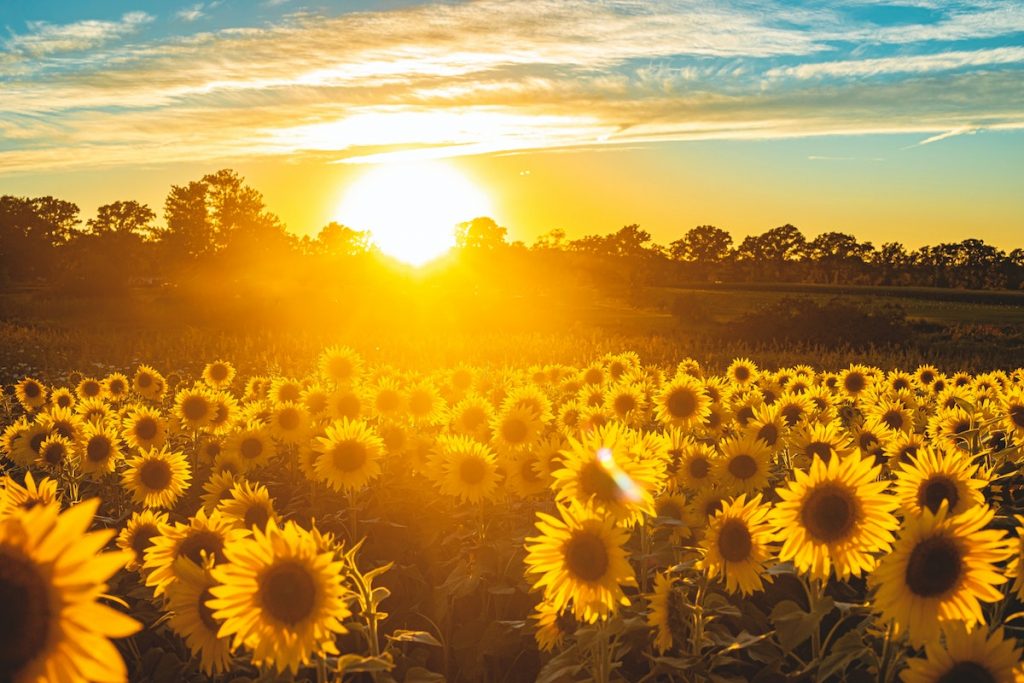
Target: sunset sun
x=411, y=210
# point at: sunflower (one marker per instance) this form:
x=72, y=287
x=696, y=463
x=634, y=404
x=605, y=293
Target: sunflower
x=248, y=505
x=1012, y=412
x=148, y=383
x=670, y=514
x=825, y=441
x=835, y=516
x=57, y=453
x=854, y=380
x=284, y=389
x=63, y=398
x=669, y=614
x=194, y=407
x=744, y=403
x=941, y=569
x=570, y=417
x=61, y=421
x=933, y=477
x=31, y=394
x=549, y=629
x=768, y=425
x=949, y=426
x=93, y=410
x=967, y=656
x=742, y=372
x=386, y=399
x=51, y=574
x=794, y=408
x=424, y=404
x=346, y=402
x=516, y=427
x=350, y=454
x=316, y=400
x=578, y=559
x=893, y=414
x=15, y=497
x=280, y=596
x=524, y=474
x=201, y=539
x=289, y=423
x=257, y=388
x=137, y=534
x=89, y=388
x=743, y=467
x=217, y=488
x=627, y=403
x=157, y=478
x=466, y=469
x=249, y=446
x=598, y=471
x=116, y=386
x=697, y=464
x=683, y=403
x=472, y=416
x=218, y=374
x=1015, y=569
x=531, y=398
x=25, y=441
x=340, y=365
x=100, y=449
x=871, y=437
x=192, y=619
x=902, y=448
x=737, y=544
x=225, y=412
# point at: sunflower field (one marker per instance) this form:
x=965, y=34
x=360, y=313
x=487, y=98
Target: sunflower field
x=608, y=521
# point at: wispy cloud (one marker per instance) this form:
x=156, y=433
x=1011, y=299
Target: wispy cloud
x=962, y=130
x=492, y=77
x=191, y=13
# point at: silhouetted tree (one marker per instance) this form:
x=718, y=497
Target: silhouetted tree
x=31, y=232
x=480, y=233
x=129, y=217
x=336, y=239
x=702, y=244
x=837, y=254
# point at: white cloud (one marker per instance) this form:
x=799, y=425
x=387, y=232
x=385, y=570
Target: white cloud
x=942, y=61
x=44, y=38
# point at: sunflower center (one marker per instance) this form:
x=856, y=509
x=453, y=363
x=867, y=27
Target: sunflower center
x=288, y=592
x=595, y=481
x=144, y=380
x=98, y=449
x=37, y=440
x=32, y=390
x=527, y=472
x=348, y=405
x=792, y=414
x=288, y=419
x=741, y=373
x=682, y=403
x=117, y=387
x=734, y=541
x=967, y=672
x=64, y=428
x=867, y=441
x=91, y=388
x=593, y=376
x=514, y=430
x=1017, y=415
x=698, y=468
x=680, y=620
x=194, y=408
x=142, y=538
x=769, y=433
x=745, y=415
x=202, y=540
x=819, y=448
x=289, y=392
x=145, y=428
x=155, y=474
x=472, y=470
x=828, y=514
x=743, y=466
x=586, y=556
x=340, y=368
x=624, y=403
x=251, y=447
x=893, y=418
x=25, y=616
x=854, y=383
x=712, y=506
x=908, y=453
x=205, y=613
x=420, y=403
x=54, y=453
x=936, y=490
x=473, y=417
x=219, y=372
x=669, y=509
x=935, y=566
x=387, y=401
x=349, y=456
x=258, y=515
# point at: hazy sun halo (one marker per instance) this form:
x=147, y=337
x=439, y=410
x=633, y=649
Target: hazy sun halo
x=411, y=209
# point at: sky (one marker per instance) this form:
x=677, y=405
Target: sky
x=893, y=121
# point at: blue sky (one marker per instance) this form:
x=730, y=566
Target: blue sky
x=120, y=88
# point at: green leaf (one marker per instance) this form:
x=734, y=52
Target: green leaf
x=842, y=652
x=358, y=663
x=422, y=637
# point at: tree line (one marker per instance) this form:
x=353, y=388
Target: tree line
x=220, y=221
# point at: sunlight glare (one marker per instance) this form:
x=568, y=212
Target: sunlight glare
x=411, y=209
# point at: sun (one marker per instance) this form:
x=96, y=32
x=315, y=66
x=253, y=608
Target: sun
x=411, y=210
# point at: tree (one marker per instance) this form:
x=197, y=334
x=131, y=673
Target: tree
x=336, y=239
x=893, y=260
x=123, y=218
x=702, y=244
x=553, y=239
x=480, y=233
x=630, y=240
x=31, y=230
x=837, y=253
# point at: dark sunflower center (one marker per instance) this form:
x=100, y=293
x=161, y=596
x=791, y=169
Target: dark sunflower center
x=341, y=368
x=741, y=373
x=514, y=430
x=144, y=380
x=624, y=403
x=98, y=449
x=854, y=382
x=155, y=474
x=36, y=442
x=586, y=557
x=819, y=448
x=117, y=387
x=54, y=454
x=251, y=447
x=348, y=405
x=769, y=396
x=387, y=401
x=472, y=470
x=1017, y=415
x=669, y=509
x=289, y=392
x=867, y=441
x=682, y=403
x=26, y=612
x=927, y=376
x=288, y=419
x=146, y=428
x=745, y=415
x=142, y=538
x=349, y=456
x=91, y=388
x=935, y=490
x=893, y=418
x=742, y=466
x=961, y=426
x=256, y=514
x=714, y=419
x=769, y=433
x=828, y=513
x=64, y=428
x=64, y=401
x=908, y=453
x=473, y=417
x=734, y=541
x=595, y=481
x=699, y=468
x=712, y=507
x=201, y=540
x=219, y=372
x=288, y=592
x=420, y=403
x=33, y=390
x=195, y=408
x=205, y=613
x=680, y=620
x=792, y=414
x=967, y=672
x=934, y=567
x=900, y=383
x=593, y=376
